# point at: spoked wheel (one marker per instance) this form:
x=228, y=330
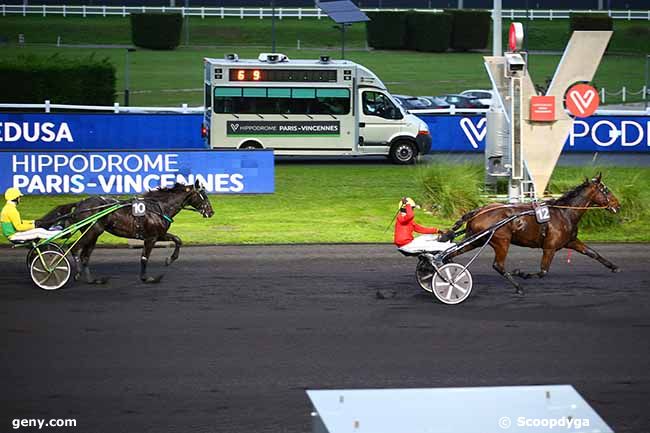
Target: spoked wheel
x=50, y=270
x=47, y=247
x=456, y=285
x=424, y=273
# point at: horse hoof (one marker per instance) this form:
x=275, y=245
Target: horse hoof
x=100, y=281
x=152, y=280
x=169, y=261
x=519, y=292
x=518, y=273
x=616, y=270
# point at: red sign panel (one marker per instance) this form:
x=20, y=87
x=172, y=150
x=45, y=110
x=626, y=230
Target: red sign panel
x=542, y=108
x=515, y=37
x=582, y=100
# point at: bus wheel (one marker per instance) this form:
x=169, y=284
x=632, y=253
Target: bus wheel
x=403, y=152
x=249, y=145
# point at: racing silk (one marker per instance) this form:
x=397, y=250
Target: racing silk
x=11, y=221
x=406, y=225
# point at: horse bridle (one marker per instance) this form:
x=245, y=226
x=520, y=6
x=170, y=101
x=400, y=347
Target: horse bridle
x=602, y=188
x=204, y=199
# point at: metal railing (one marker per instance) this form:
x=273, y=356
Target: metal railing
x=261, y=13
x=47, y=107
x=624, y=94
x=115, y=108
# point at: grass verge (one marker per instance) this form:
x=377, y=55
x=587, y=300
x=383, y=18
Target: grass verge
x=167, y=78
x=352, y=202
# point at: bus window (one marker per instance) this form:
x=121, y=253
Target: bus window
x=263, y=100
x=333, y=101
x=378, y=104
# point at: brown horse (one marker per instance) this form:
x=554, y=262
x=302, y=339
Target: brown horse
x=561, y=231
x=160, y=207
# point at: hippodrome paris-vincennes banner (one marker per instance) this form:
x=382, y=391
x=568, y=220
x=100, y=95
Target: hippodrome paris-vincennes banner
x=225, y=172
x=40, y=131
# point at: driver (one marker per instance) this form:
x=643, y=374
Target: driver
x=405, y=226
x=13, y=226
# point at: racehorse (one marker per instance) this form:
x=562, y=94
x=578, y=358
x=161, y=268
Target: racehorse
x=160, y=207
x=561, y=231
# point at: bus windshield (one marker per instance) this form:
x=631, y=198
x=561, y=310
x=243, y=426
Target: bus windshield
x=285, y=100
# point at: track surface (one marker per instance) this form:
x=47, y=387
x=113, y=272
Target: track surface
x=232, y=337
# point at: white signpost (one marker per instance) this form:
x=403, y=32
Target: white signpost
x=536, y=126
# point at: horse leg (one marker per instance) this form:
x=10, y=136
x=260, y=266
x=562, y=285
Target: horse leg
x=177, y=247
x=76, y=255
x=146, y=252
x=86, y=251
x=547, y=258
x=580, y=247
x=500, y=253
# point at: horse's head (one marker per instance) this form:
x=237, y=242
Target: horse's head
x=602, y=196
x=198, y=199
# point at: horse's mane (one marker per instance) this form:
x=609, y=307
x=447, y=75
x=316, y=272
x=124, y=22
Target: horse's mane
x=163, y=192
x=570, y=195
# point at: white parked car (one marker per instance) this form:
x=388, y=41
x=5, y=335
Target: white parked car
x=484, y=97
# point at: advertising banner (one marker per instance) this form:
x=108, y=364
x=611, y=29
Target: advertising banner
x=45, y=131
x=311, y=128
x=450, y=133
x=593, y=134
x=223, y=172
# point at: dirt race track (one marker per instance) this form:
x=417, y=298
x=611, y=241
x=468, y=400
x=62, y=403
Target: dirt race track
x=232, y=337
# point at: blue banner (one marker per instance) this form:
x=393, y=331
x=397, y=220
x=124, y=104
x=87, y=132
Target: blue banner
x=593, y=134
x=223, y=172
x=450, y=133
x=42, y=131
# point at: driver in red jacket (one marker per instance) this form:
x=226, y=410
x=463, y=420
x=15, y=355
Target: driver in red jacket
x=405, y=226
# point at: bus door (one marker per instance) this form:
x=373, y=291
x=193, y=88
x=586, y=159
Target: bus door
x=379, y=119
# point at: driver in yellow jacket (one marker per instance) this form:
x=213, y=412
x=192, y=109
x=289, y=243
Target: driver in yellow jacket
x=13, y=226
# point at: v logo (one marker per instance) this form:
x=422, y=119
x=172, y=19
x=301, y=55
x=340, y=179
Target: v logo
x=234, y=126
x=475, y=133
x=582, y=101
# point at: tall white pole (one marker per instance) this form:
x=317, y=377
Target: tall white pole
x=497, y=45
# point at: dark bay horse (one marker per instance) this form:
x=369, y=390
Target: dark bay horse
x=161, y=206
x=560, y=232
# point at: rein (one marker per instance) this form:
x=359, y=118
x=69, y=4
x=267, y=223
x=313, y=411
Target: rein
x=557, y=206
x=577, y=207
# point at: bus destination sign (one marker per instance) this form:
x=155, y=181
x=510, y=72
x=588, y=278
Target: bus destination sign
x=284, y=75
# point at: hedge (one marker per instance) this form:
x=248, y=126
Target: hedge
x=470, y=29
x=156, y=31
x=590, y=22
x=32, y=79
x=429, y=31
x=387, y=30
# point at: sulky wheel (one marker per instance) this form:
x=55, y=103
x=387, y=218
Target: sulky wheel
x=424, y=273
x=452, y=284
x=50, y=270
x=46, y=247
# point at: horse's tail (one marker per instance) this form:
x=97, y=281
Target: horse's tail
x=464, y=219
